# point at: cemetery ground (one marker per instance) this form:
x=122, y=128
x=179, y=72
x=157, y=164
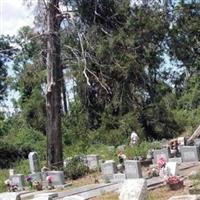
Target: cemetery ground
x=160, y=192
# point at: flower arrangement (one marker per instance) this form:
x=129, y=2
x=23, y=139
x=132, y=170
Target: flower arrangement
x=161, y=162
x=29, y=181
x=174, y=182
x=152, y=172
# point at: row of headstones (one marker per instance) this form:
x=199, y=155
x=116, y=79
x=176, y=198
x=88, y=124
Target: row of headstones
x=132, y=170
x=57, y=178
x=188, y=154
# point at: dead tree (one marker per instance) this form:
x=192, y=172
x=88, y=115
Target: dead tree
x=54, y=83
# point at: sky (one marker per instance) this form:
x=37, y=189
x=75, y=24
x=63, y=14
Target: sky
x=13, y=15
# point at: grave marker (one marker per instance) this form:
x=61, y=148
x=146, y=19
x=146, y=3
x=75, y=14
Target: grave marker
x=33, y=162
x=92, y=161
x=57, y=177
x=108, y=169
x=133, y=169
x=158, y=153
x=18, y=179
x=189, y=153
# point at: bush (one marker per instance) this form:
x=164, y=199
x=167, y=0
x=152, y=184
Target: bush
x=75, y=168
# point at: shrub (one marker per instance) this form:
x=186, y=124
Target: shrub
x=75, y=168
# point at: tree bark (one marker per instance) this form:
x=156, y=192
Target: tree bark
x=54, y=81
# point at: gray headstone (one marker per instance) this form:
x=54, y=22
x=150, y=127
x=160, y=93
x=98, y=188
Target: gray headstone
x=36, y=176
x=108, y=169
x=33, y=162
x=92, y=161
x=10, y=196
x=133, y=169
x=57, y=177
x=134, y=189
x=18, y=179
x=158, y=153
x=176, y=159
x=189, y=153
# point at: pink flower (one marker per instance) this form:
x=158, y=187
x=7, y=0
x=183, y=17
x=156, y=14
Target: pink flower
x=173, y=180
x=161, y=162
x=49, y=179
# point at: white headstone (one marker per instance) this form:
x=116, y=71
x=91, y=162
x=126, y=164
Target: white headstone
x=11, y=172
x=133, y=169
x=172, y=168
x=134, y=189
x=33, y=162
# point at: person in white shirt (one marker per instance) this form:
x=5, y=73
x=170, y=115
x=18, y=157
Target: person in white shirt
x=134, y=138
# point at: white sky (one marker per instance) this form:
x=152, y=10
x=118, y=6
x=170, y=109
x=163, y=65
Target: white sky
x=13, y=15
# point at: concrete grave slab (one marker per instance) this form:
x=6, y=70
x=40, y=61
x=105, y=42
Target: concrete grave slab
x=185, y=197
x=74, y=197
x=189, y=153
x=133, y=169
x=133, y=189
x=10, y=196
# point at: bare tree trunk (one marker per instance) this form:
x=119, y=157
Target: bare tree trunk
x=54, y=80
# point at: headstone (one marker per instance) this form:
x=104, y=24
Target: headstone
x=134, y=189
x=10, y=196
x=119, y=177
x=33, y=162
x=57, y=177
x=108, y=169
x=158, y=153
x=18, y=179
x=184, y=197
x=74, y=197
x=189, y=153
x=133, y=169
x=92, y=161
x=37, y=176
x=172, y=168
x=11, y=172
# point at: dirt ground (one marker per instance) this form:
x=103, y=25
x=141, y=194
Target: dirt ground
x=162, y=193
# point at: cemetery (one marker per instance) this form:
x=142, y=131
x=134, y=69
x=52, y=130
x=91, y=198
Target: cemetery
x=99, y=99
x=166, y=172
